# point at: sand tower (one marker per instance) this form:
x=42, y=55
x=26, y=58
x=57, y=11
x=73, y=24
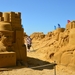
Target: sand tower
x=12, y=48
x=70, y=25
x=71, y=28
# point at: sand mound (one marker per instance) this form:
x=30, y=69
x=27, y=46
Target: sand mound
x=37, y=35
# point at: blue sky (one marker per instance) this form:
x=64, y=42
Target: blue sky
x=41, y=15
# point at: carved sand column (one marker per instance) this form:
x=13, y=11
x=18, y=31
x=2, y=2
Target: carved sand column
x=6, y=17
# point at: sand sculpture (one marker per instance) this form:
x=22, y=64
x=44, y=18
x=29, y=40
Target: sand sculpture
x=12, y=48
x=37, y=35
x=59, y=45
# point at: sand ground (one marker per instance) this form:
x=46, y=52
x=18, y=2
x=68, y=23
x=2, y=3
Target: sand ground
x=35, y=59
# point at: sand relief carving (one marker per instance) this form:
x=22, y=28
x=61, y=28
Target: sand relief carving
x=2, y=47
x=6, y=41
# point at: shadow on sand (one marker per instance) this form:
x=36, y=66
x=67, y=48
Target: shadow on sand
x=37, y=64
x=33, y=63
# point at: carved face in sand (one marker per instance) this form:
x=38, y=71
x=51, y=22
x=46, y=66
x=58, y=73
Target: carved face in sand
x=6, y=38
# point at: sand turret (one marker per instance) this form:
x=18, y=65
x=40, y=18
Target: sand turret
x=70, y=25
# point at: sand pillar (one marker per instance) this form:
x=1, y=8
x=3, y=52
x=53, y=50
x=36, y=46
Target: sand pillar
x=6, y=17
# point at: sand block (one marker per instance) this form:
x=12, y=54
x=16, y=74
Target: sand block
x=7, y=59
x=24, y=53
x=18, y=14
x=0, y=14
x=1, y=18
x=12, y=14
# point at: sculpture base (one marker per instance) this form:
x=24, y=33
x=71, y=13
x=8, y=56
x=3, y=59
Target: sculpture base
x=7, y=59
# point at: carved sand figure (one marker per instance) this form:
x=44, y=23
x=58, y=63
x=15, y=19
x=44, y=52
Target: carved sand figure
x=12, y=40
x=2, y=47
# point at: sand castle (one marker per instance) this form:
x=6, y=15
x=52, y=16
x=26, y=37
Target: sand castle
x=12, y=48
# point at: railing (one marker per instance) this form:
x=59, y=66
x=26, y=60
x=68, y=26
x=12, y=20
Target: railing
x=41, y=66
